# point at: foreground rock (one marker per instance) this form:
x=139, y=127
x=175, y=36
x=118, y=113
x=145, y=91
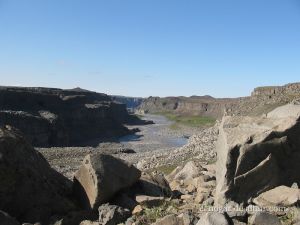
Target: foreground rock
x=6, y=219
x=213, y=219
x=111, y=214
x=256, y=154
x=263, y=218
x=30, y=190
x=170, y=220
x=100, y=177
x=281, y=196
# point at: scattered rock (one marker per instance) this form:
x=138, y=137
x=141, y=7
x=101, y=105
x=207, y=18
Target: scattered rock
x=149, y=201
x=263, y=218
x=189, y=171
x=88, y=222
x=213, y=218
x=138, y=209
x=235, y=211
x=152, y=185
x=100, y=177
x=112, y=214
x=169, y=220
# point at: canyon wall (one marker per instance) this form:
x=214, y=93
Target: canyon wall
x=56, y=117
x=262, y=100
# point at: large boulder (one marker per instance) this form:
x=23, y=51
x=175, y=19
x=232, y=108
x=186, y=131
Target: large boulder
x=281, y=196
x=256, y=154
x=6, y=219
x=100, y=177
x=30, y=190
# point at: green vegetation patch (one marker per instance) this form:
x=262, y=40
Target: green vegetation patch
x=191, y=121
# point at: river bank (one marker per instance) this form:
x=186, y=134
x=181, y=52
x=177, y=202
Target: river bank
x=155, y=145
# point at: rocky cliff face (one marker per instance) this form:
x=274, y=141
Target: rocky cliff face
x=56, y=117
x=256, y=154
x=130, y=102
x=196, y=105
x=262, y=100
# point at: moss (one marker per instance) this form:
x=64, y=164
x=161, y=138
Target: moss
x=190, y=121
x=150, y=215
x=166, y=169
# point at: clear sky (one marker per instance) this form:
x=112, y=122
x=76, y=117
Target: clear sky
x=223, y=48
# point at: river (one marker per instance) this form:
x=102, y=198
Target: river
x=154, y=136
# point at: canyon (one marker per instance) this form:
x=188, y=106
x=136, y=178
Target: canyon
x=262, y=100
x=56, y=117
x=94, y=163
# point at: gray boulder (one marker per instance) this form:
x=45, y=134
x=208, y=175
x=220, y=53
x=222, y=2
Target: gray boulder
x=30, y=190
x=281, y=196
x=100, y=177
x=263, y=218
x=213, y=218
x=169, y=220
x=151, y=185
x=256, y=154
x=112, y=214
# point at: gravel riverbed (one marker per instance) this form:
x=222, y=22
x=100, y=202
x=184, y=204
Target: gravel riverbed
x=156, y=145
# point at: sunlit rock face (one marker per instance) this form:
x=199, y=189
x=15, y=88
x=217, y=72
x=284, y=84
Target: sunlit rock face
x=256, y=154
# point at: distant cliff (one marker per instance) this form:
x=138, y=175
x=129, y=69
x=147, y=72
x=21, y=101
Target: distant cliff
x=262, y=100
x=56, y=117
x=130, y=102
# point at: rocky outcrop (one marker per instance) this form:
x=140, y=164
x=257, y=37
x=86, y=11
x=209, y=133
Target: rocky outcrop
x=262, y=100
x=256, y=154
x=56, y=117
x=197, y=105
x=100, y=177
x=29, y=189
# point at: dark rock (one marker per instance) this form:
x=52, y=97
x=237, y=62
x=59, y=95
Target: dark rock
x=6, y=219
x=56, y=117
x=152, y=185
x=213, y=218
x=263, y=218
x=30, y=190
x=112, y=214
x=75, y=217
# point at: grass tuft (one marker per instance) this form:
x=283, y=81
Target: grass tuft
x=190, y=121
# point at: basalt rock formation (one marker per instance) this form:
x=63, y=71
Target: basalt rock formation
x=30, y=190
x=262, y=100
x=56, y=117
x=256, y=154
x=131, y=102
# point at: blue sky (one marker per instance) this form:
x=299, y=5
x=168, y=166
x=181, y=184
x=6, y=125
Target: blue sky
x=150, y=47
